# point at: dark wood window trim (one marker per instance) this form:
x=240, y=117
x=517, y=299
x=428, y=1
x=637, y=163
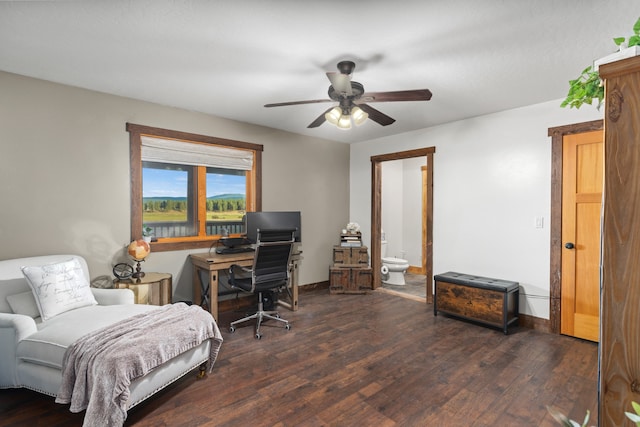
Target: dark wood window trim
x=254, y=189
x=555, y=280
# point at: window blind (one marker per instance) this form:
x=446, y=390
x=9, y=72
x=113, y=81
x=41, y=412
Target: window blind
x=190, y=153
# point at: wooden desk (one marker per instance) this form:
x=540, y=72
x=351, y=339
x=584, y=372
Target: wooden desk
x=207, y=296
x=153, y=288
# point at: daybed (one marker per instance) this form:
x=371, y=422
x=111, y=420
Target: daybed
x=35, y=333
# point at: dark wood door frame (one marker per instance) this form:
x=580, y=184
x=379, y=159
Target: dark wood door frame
x=555, y=281
x=376, y=212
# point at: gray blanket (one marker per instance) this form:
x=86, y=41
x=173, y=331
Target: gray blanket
x=99, y=367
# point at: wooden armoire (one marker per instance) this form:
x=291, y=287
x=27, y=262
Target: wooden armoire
x=620, y=285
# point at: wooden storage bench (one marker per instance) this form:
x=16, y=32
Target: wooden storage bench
x=492, y=302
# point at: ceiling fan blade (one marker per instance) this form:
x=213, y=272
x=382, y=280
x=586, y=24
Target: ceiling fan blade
x=341, y=82
x=377, y=116
x=320, y=120
x=401, y=95
x=311, y=101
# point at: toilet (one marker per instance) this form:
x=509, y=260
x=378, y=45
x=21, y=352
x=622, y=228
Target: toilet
x=393, y=268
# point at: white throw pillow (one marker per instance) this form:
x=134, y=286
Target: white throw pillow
x=24, y=303
x=59, y=287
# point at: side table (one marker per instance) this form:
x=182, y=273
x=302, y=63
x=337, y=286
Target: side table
x=153, y=288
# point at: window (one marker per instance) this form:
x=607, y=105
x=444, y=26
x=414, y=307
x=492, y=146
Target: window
x=190, y=189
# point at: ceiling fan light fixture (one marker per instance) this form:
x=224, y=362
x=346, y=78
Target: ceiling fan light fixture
x=344, y=122
x=347, y=93
x=358, y=116
x=334, y=115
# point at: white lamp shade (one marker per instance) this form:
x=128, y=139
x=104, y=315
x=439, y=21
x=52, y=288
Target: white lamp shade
x=344, y=122
x=359, y=116
x=334, y=115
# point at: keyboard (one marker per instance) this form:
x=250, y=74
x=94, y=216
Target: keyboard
x=235, y=250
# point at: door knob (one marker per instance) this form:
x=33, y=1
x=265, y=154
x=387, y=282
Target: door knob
x=569, y=245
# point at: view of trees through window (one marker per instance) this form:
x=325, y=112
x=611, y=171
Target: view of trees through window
x=165, y=191
x=226, y=194
x=168, y=198
x=185, y=196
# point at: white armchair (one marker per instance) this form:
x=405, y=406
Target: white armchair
x=32, y=350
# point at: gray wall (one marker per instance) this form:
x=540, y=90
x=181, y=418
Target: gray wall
x=64, y=177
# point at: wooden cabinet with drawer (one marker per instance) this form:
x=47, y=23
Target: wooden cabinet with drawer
x=349, y=280
x=350, y=273
x=493, y=302
x=350, y=256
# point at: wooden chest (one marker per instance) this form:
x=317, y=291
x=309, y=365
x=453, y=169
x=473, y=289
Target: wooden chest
x=492, y=302
x=349, y=280
x=350, y=256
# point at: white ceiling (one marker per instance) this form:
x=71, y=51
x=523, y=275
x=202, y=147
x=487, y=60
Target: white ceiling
x=230, y=57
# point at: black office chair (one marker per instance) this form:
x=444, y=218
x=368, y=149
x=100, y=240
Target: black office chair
x=270, y=271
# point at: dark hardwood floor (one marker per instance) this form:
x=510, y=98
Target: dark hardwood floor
x=364, y=360
x=415, y=286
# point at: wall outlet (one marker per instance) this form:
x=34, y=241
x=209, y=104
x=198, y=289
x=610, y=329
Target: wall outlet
x=539, y=222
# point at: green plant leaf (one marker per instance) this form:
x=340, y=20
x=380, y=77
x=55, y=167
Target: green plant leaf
x=586, y=70
x=619, y=40
x=588, y=85
x=564, y=420
x=636, y=407
x=584, y=90
x=636, y=27
x=633, y=417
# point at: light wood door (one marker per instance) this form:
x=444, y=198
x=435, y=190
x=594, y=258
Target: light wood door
x=582, y=180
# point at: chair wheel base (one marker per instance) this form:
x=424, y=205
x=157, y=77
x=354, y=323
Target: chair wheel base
x=260, y=317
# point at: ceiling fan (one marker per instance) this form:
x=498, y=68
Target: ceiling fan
x=353, y=100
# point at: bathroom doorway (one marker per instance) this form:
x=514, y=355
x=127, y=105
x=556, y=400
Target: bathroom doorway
x=427, y=215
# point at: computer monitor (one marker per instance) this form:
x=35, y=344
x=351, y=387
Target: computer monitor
x=255, y=221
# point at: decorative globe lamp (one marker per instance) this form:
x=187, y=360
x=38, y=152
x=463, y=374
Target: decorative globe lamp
x=138, y=250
